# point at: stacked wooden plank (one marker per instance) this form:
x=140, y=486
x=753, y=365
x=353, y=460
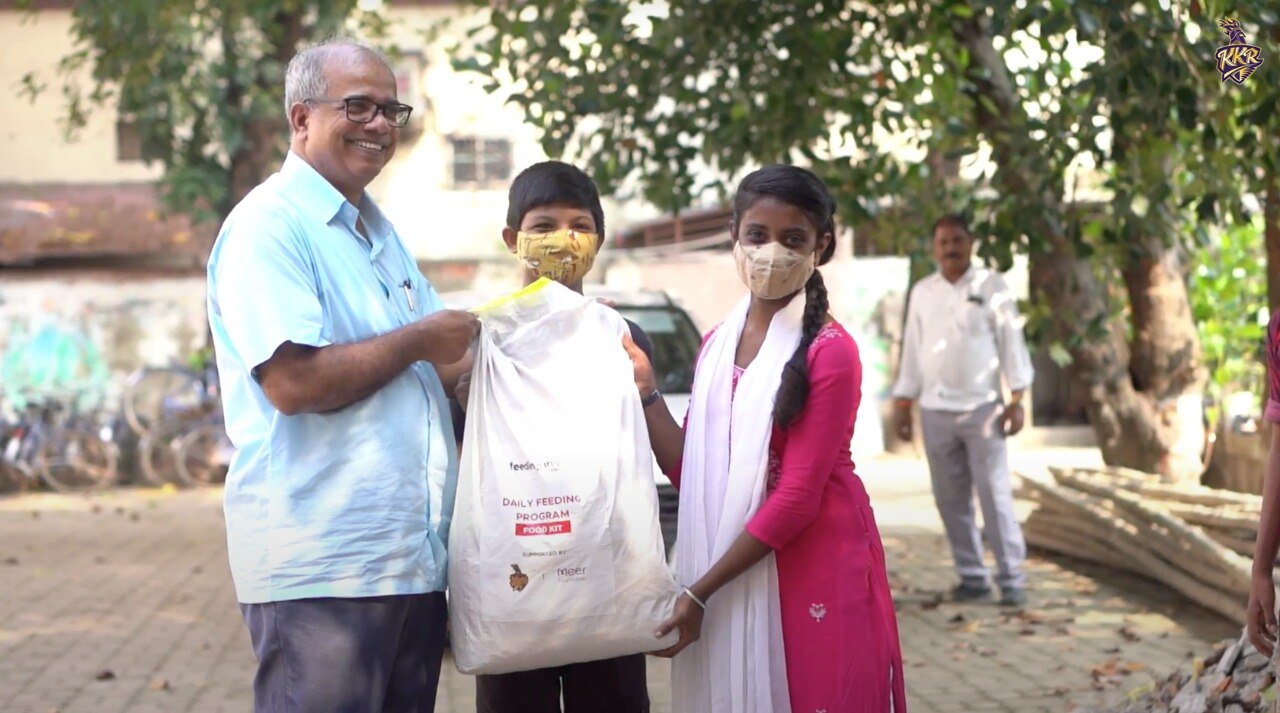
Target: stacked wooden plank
x=1197, y=540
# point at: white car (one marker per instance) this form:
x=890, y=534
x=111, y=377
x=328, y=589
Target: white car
x=676, y=341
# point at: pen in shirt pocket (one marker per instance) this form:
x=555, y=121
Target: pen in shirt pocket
x=408, y=295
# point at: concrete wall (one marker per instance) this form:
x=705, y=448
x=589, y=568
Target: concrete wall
x=437, y=219
x=32, y=142
x=133, y=319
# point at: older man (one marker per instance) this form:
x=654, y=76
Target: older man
x=331, y=347
x=963, y=332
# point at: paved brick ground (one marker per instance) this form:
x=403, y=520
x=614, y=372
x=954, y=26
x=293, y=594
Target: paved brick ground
x=122, y=602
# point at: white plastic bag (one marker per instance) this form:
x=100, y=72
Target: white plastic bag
x=555, y=553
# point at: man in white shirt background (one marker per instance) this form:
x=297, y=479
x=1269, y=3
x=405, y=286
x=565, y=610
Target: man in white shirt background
x=963, y=333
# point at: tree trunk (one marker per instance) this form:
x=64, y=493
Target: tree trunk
x=1166, y=364
x=259, y=149
x=1133, y=428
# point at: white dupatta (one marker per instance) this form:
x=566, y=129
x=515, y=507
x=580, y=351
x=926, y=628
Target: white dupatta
x=738, y=666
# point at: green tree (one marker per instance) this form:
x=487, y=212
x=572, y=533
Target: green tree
x=651, y=91
x=202, y=81
x=1230, y=280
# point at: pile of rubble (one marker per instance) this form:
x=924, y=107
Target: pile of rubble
x=1234, y=679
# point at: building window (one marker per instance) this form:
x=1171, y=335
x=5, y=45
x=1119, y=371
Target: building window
x=481, y=162
x=128, y=141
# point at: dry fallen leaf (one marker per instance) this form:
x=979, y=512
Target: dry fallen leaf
x=1135, y=667
x=968, y=627
x=1141, y=690
x=1107, y=668
x=1031, y=616
x=1148, y=623
x=106, y=675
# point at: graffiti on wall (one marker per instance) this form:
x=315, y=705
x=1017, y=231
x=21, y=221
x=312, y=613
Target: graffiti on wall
x=79, y=339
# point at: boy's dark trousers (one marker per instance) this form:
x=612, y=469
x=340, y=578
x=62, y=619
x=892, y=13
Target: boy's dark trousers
x=608, y=686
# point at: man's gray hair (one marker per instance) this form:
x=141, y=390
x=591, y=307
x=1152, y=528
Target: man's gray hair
x=304, y=79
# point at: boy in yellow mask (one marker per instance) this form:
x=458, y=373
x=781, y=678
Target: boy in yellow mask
x=555, y=226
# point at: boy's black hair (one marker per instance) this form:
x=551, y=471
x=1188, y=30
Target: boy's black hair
x=553, y=182
x=955, y=220
x=803, y=189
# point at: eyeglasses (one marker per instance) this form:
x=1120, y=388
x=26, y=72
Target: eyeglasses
x=362, y=111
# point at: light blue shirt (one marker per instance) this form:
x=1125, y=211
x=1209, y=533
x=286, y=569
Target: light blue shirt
x=351, y=503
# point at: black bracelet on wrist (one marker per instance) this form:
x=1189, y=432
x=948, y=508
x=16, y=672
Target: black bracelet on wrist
x=651, y=399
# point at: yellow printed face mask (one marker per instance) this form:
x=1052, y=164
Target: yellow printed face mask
x=565, y=256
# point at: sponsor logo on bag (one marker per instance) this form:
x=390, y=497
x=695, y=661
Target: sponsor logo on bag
x=519, y=580
x=571, y=574
x=546, y=466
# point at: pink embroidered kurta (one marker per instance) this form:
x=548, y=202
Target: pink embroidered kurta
x=840, y=632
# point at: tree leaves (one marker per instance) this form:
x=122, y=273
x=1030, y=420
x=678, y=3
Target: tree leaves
x=192, y=76
x=828, y=81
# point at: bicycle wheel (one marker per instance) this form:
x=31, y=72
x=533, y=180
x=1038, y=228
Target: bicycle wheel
x=158, y=458
x=204, y=455
x=74, y=459
x=153, y=394
x=15, y=476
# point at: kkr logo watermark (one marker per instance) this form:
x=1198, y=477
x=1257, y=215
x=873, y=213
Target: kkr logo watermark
x=1237, y=59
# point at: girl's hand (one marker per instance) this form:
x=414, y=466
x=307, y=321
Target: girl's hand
x=1260, y=616
x=688, y=618
x=462, y=392
x=645, y=381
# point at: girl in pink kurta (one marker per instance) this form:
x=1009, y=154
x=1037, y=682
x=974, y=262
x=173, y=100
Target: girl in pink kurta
x=785, y=547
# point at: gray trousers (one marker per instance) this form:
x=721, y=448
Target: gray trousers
x=967, y=452
x=370, y=655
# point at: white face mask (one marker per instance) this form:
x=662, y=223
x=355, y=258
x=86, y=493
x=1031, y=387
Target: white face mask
x=772, y=271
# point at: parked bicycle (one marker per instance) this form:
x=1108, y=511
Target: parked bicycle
x=15, y=475
x=177, y=413
x=66, y=448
